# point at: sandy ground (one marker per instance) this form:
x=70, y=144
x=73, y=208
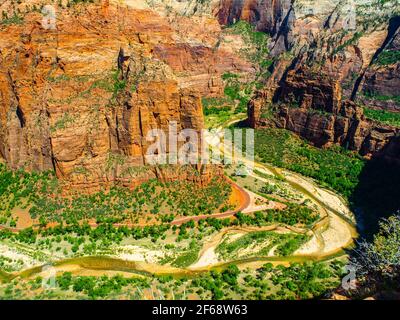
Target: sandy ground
x=137, y=253
x=24, y=219
x=264, y=170
x=230, y=237
x=82, y=271
x=135, y=4
x=309, y=248
x=12, y=253
x=339, y=233
x=208, y=258
x=327, y=197
x=266, y=204
x=271, y=252
x=337, y=236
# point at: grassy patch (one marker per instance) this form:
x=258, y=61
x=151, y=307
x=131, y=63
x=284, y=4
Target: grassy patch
x=63, y=122
x=353, y=40
x=294, y=214
x=391, y=118
x=187, y=258
x=256, y=41
x=14, y=19
x=380, y=97
x=41, y=193
x=260, y=243
x=388, y=57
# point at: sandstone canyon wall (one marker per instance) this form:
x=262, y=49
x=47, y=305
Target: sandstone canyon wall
x=80, y=98
x=327, y=66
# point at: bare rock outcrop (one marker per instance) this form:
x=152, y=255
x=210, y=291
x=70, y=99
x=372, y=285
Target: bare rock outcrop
x=334, y=69
x=79, y=99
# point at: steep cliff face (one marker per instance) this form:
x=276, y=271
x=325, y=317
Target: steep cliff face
x=381, y=82
x=320, y=115
x=81, y=98
x=267, y=15
x=201, y=67
x=332, y=58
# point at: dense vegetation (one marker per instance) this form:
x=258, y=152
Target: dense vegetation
x=377, y=263
x=305, y=281
x=293, y=214
x=120, y=203
x=388, y=57
x=219, y=111
x=297, y=281
x=219, y=106
x=334, y=167
x=41, y=193
x=391, y=118
x=261, y=243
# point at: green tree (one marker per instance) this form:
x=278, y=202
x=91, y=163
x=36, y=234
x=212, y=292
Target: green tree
x=377, y=263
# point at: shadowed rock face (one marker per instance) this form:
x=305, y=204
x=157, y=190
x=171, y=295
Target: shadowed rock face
x=320, y=116
x=271, y=16
x=266, y=15
x=383, y=78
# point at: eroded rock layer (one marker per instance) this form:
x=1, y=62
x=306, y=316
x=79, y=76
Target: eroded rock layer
x=80, y=97
x=339, y=57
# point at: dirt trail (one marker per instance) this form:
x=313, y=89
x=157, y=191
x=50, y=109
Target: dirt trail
x=244, y=199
